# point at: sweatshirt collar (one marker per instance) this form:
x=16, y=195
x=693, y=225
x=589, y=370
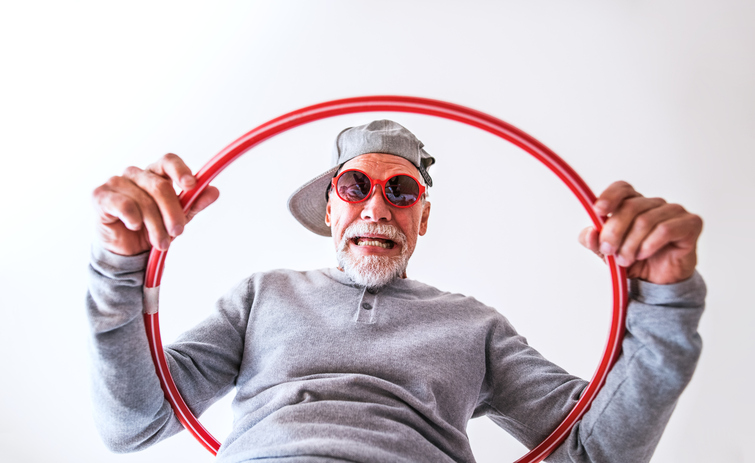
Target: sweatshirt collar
x=340, y=276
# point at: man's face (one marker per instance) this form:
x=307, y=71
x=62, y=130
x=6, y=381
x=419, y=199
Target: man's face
x=373, y=246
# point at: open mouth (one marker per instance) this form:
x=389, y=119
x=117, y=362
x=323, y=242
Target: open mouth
x=372, y=241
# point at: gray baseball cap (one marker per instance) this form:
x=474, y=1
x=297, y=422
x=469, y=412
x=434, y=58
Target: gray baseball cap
x=309, y=202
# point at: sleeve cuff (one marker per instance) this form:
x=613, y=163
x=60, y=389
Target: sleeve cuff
x=113, y=265
x=688, y=293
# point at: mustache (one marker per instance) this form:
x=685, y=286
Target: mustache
x=361, y=228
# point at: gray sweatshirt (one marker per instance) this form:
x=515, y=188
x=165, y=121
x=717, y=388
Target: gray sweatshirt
x=325, y=370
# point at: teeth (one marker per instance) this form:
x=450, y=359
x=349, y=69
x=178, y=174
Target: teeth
x=373, y=243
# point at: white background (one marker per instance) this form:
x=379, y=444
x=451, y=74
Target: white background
x=661, y=94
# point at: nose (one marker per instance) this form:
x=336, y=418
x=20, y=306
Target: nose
x=376, y=208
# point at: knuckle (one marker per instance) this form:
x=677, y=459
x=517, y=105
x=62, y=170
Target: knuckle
x=169, y=159
x=610, y=235
x=657, y=201
x=158, y=185
x=697, y=221
x=627, y=253
x=114, y=182
x=663, y=230
x=626, y=186
x=101, y=191
x=132, y=171
x=676, y=209
x=643, y=222
x=646, y=247
x=636, y=203
x=128, y=207
x=162, y=183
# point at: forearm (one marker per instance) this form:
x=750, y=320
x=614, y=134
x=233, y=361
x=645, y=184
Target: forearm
x=129, y=406
x=659, y=355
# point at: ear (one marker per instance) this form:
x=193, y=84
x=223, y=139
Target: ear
x=425, y=217
x=327, y=213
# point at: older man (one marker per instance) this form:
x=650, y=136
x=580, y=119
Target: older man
x=361, y=363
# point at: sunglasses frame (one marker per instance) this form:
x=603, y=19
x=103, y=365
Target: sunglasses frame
x=380, y=183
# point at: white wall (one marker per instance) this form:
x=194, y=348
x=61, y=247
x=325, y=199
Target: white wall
x=657, y=93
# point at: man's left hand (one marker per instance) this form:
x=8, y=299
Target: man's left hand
x=655, y=241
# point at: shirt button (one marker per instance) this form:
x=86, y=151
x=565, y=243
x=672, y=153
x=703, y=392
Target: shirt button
x=371, y=290
x=367, y=306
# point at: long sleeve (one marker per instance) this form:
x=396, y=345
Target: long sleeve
x=528, y=396
x=659, y=355
x=130, y=409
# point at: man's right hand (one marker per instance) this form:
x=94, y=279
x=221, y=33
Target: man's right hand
x=140, y=209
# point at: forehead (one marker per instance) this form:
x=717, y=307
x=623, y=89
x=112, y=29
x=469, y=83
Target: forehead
x=380, y=164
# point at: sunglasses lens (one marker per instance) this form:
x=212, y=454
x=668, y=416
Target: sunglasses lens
x=353, y=186
x=401, y=190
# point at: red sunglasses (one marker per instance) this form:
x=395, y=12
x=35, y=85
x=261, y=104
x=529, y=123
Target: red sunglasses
x=355, y=186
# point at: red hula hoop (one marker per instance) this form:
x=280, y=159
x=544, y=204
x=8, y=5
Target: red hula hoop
x=396, y=104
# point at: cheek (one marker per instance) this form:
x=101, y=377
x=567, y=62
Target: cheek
x=410, y=226
x=340, y=219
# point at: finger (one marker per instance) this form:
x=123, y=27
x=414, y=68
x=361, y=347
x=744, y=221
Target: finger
x=174, y=168
x=207, y=197
x=589, y=239
x=135, y=208
x=612, y=197
x=642, y=227
x=617, y=226
x=681, y=232
x=160, y=190
x=112, y=206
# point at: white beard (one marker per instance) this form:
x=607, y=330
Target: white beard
x=372, y=271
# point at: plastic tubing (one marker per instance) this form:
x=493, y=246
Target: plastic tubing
x=405, y=104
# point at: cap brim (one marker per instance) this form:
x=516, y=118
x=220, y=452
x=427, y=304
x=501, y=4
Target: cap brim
x=308, y=203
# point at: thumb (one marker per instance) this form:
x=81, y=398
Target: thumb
x=207, y=197
x=588, y=238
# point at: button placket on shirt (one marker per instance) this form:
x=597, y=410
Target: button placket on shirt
x=366, y=307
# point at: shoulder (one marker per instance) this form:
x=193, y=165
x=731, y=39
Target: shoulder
x=286, y=280
x=462, y=303
x=275, y=285
x=419, y=289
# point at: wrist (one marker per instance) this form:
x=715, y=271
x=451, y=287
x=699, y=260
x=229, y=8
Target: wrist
x=691, y=290
x=113, y=264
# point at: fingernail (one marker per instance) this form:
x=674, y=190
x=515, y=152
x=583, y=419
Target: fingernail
x=602, y=206
x=606, y=249
x=622, y=262
x=188, y=180
x=164, y=244
x=177, y=230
